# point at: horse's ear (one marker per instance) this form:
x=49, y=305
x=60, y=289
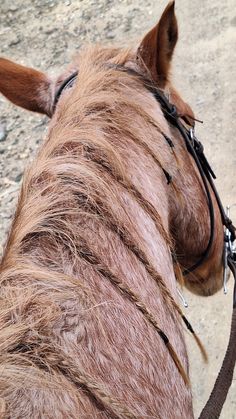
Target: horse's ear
x=157, y=47
x=25, y=87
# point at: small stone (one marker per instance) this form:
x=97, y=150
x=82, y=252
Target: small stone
x=3, y=132
x=23, y=155
x=110, y=35
x=13, y=8
x=15, y=39
x=49, y=31
x=18, y=177
x=200, y=101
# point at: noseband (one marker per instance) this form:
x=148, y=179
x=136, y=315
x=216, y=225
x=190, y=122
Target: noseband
x=223, y=382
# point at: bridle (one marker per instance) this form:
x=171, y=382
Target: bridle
x=196, y=150
x=66, y=84
x=215, y=403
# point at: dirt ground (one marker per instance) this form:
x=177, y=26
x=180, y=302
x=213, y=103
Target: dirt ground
x=45, y=33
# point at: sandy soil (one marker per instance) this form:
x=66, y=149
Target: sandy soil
x=45, y=33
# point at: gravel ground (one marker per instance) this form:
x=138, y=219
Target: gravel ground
x=45, y=34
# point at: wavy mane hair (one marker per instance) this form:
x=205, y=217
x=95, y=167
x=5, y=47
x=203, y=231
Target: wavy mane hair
x=89, y=323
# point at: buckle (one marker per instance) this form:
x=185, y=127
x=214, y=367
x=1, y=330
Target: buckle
x=191, y=136
x=197, y=145
x=229, y=252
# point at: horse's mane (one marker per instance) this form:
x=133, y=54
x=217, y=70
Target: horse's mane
x=78, y=185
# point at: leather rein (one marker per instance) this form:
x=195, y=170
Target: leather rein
x=223, y=382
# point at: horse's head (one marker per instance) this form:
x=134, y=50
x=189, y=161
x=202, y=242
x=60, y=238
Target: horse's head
x=188, y=208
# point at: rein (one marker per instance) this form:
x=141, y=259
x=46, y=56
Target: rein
x=223, y=382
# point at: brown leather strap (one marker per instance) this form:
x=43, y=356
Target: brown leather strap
x=214, y=405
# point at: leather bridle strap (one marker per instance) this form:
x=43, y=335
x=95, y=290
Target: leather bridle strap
x=196, y=150
x=214, y=405
x=67, y=83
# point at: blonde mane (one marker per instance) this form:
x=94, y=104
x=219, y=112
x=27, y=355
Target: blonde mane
x=74, y=223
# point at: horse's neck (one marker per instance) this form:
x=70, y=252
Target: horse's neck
x=98, y=268
x=190, y=222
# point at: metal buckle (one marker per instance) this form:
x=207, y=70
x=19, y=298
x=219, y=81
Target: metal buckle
x=229, y=251
x=196, y=144
x=192, y=135
x=181, y=296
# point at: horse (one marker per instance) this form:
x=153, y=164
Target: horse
x=110, y=213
